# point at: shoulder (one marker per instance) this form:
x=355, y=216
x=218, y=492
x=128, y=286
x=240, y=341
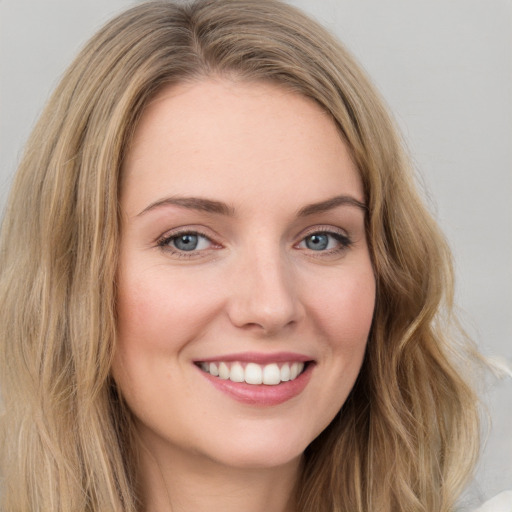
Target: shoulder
x=500, y=503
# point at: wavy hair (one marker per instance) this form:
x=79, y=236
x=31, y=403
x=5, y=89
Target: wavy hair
x=407, y=436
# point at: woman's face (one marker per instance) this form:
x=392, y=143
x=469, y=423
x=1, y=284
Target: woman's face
x=243, y=258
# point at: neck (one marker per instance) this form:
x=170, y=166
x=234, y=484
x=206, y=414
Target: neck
x=175, y=481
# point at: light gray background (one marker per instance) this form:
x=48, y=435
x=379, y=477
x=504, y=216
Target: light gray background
x=445, y=69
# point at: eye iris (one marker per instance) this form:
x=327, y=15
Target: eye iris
x=186, y=242
x=317, y=242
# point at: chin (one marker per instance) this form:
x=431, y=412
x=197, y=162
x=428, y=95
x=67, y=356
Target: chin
x=251, y=457
x=262, y=447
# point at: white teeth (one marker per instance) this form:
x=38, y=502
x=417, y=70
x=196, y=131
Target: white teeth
x=253, y=374
x=285, y=372
x=214, y=369
x=270, y=374
x=237, y=373
x=223, y=371
x=296, y=369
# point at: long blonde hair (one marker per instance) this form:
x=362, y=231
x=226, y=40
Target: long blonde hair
x=406, y=438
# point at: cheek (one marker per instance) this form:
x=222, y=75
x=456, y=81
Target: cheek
x=159, y=311
x=156, y=317
x=341, y=311
x=344, y=309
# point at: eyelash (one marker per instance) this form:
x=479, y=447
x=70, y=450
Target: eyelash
x=164, y=243
x=343, y=241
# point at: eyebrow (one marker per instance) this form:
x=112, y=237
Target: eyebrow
x=192, y=203
x=329, y=204
x=220, y=208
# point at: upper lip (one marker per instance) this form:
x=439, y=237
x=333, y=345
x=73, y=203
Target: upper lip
x=258, y=357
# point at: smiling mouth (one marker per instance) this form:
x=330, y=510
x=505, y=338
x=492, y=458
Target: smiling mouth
x=252, y=373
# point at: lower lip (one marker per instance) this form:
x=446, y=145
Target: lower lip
x=262, y=394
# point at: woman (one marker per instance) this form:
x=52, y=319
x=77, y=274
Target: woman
x=219, y=286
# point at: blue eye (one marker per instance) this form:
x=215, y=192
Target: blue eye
x=186, y=242
x=317, y=242
x=323, y=241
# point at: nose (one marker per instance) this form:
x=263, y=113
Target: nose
x=263, y=294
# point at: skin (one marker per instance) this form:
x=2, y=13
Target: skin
x=253, y=284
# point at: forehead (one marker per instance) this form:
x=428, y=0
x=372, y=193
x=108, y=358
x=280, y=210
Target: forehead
x=210, y=136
